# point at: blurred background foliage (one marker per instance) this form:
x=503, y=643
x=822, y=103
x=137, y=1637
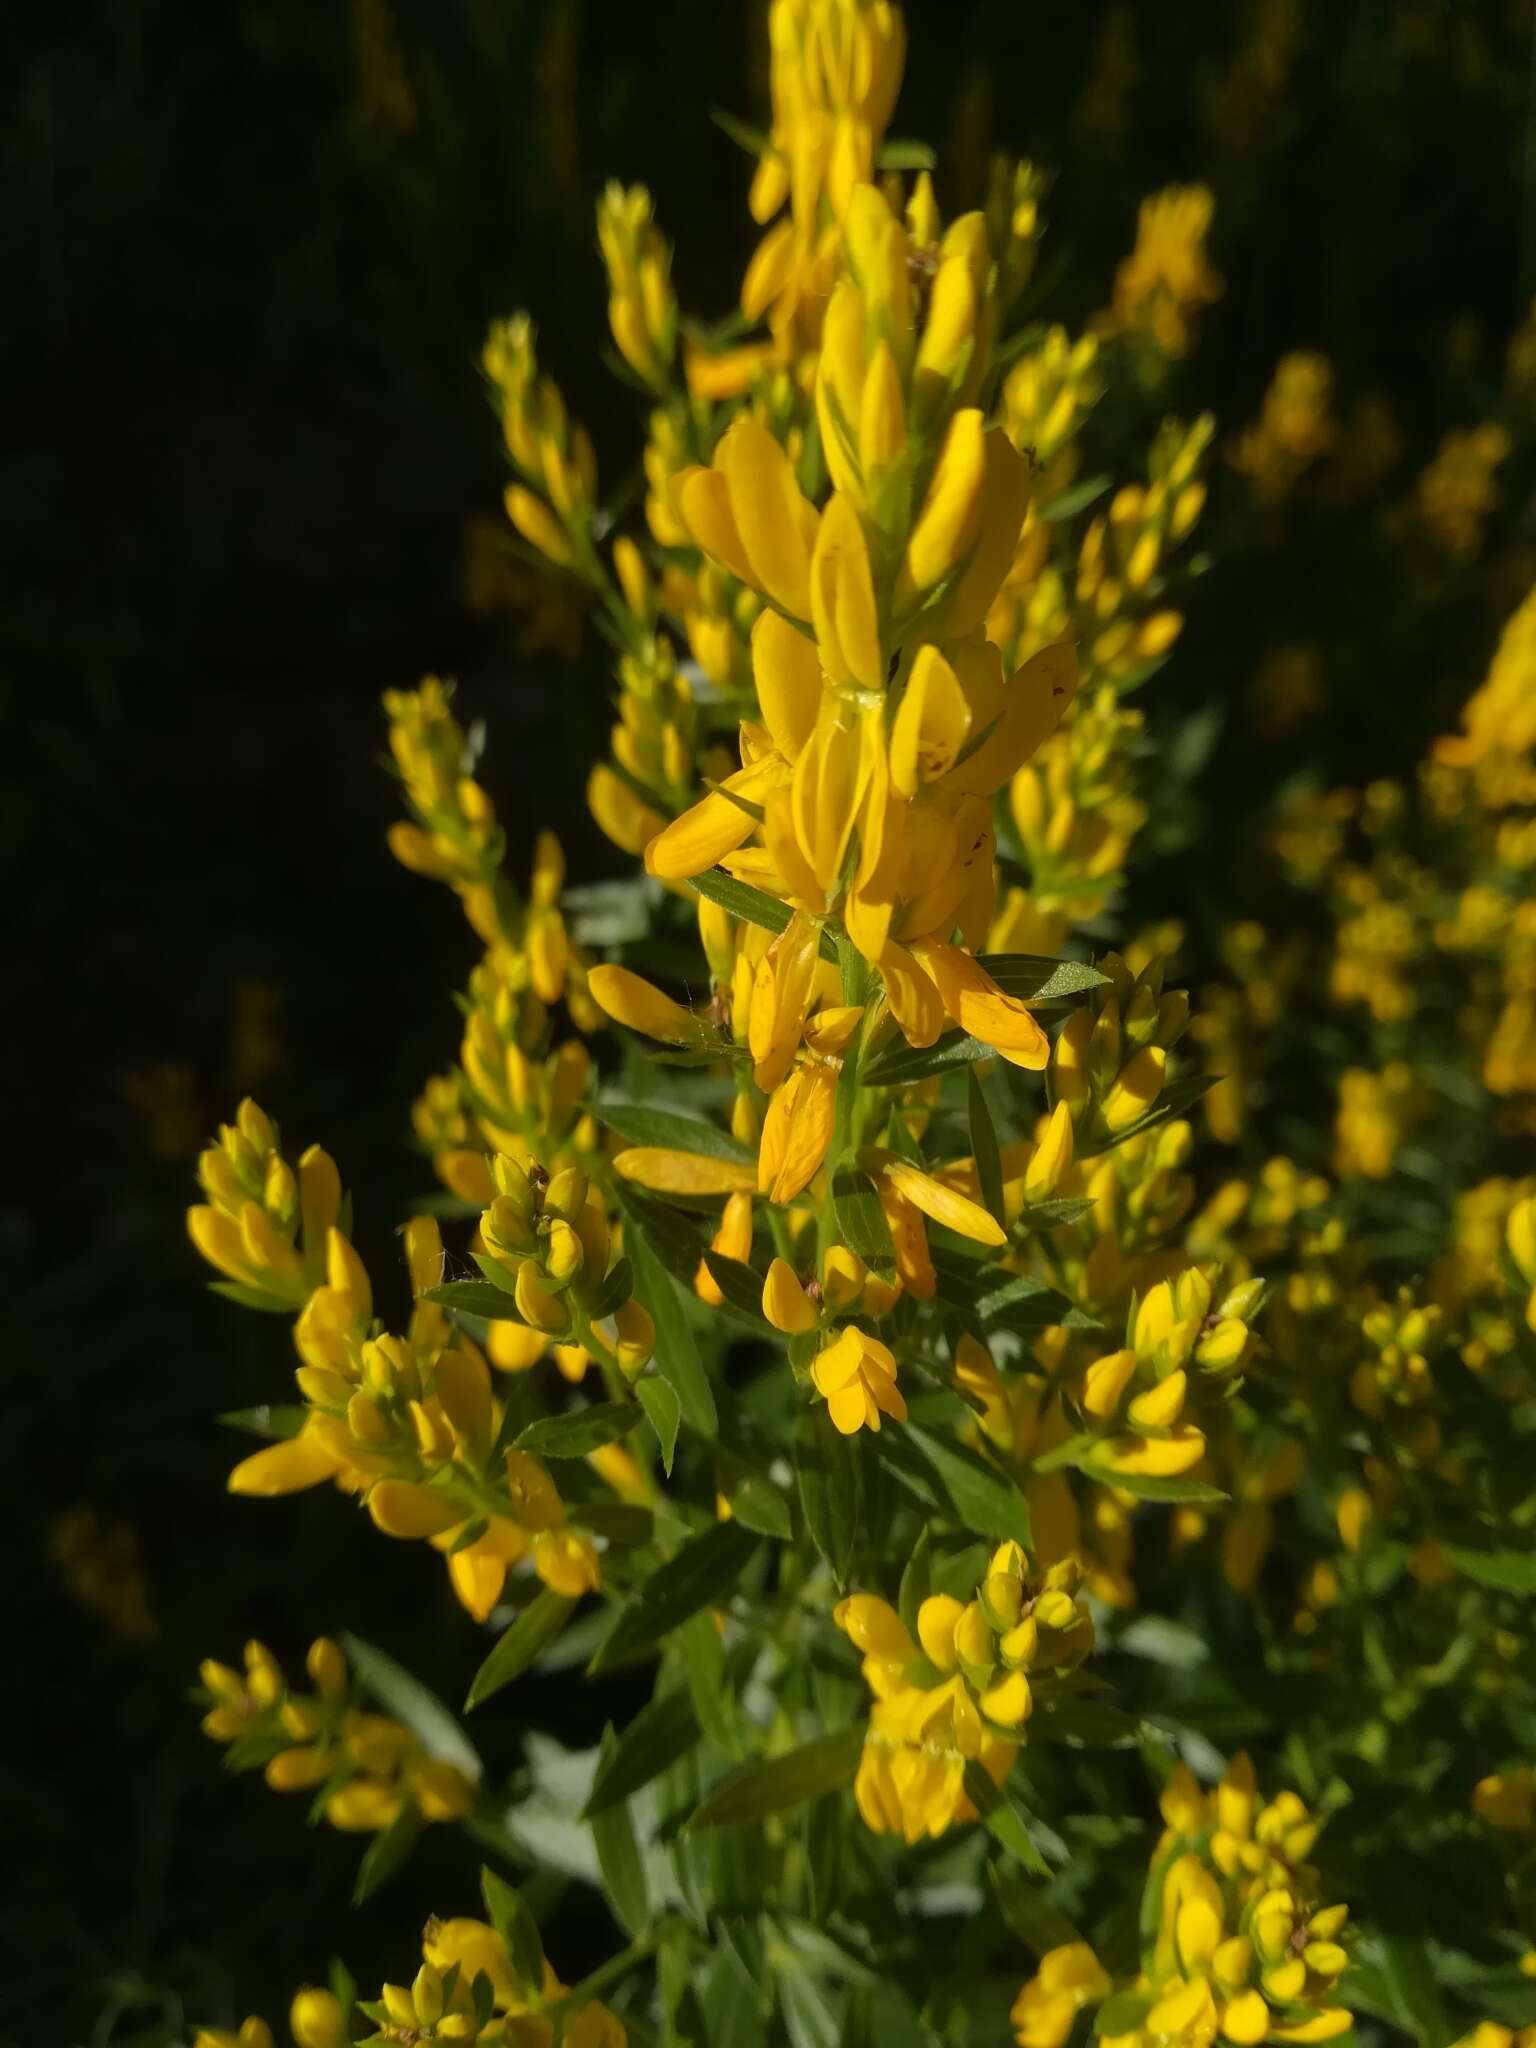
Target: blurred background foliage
x=252, y=252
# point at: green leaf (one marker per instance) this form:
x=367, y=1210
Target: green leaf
x=899, y=155
x=500, y=1276
x=251, y=1297
x=388, y=1852
x=1076, y=499
x=1002, y=1819
x=700, y=1575
x=1122, y=2013
x=989, y=1165
x=509, y=1913
x=1033, y=978
x=582, y=1430
x=642, y=1124
x=275, y=1422
x=753, y=906
x=1053, y=1214
x=520, y=1645
x=712, y=1692
x=677, y=1355
x=677, y=1239
x=1022, y=1302
x=752, y=140
x=618, y=1285
x=1410, y=1977
x=1503, y=1571
x=475, y=1298
x=662, y=1732
x=984, y=1500
x=738, y=1283
x=618, y=1856
x=916, y=1581
x=779, y=1783
x=410, y=1701
x=1039, y=1924
x=899, y=1063
x=1155, y=1486
x=758, y=1504
x=620, y=1521
x=827, y=1466
x=659, y=1400
x=860, y=1219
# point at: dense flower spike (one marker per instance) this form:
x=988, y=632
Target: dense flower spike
x=872, y=1246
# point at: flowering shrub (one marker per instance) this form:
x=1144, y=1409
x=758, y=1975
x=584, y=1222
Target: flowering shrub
x=828, y=1318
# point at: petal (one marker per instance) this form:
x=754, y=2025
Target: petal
x=284, y=1468
x=1034, y=702
x=769, y=513
x=931, y=724
x=943, y=1204
x=980, y=1007
x=683, y=1173
x=787, y=671
x=704, y=499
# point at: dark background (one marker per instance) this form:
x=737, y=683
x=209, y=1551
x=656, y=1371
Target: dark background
x=251, y=251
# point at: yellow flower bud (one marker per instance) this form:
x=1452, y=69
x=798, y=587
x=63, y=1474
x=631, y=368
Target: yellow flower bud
x=316, y=2020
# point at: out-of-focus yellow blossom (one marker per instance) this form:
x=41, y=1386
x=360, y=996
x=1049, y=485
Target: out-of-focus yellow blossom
x=99, y=1565
x=363, y=1768
x=552, y=503
x=1234, y=1943
x=1374, y=1114
x=1286, y=691
x=1506, y=1800
x=1294, y=429
x=1163, y=284
x=166, y=1100
x=316, y=2019
x=251, y=2033
x=962, y=1692
x=1239, y=106
x=1456, y=493
x=836, y=69
x=641, y=308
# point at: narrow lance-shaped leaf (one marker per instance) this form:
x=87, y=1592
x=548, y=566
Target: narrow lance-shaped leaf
x=779, y=1783
x=582, y=1430
x=989, y=1167
x=677, y=1355
x=411, y=1702
x=701, y=1575
x=618, y=1856
x=520, y=1645
x=827, y=1466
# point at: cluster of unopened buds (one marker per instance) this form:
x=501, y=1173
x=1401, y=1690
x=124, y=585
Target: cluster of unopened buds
x=1237, y=1945
x=363, y=1768
x=548, y=1243
x=1137, y=1401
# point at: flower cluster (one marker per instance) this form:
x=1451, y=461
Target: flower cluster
x=363, y=1769
x=821, y=1199
x=965, y=1695
x=1235, y=1942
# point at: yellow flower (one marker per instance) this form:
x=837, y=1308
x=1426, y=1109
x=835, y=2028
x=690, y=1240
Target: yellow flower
x=856, y=1376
